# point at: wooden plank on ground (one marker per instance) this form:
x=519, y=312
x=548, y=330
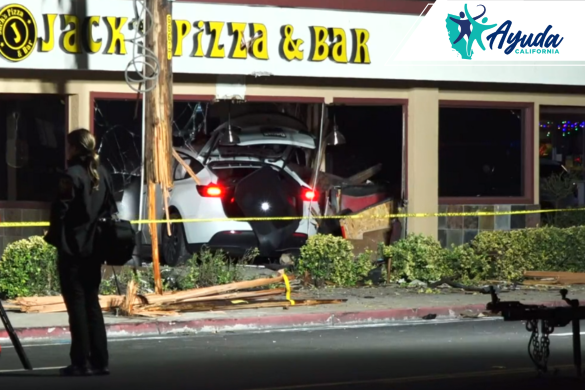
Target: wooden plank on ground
x=553, y=274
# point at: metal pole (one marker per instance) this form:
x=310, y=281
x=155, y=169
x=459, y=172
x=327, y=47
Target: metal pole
x=142, y=177
x=318, y=165
x=404, y=184
x=14, y=338
x=577, y=345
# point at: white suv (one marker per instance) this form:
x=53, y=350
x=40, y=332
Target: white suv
x=253, y=176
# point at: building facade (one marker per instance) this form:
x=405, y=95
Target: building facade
x=61, y=59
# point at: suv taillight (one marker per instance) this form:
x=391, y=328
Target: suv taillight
x=210, y=191
x=309, y=195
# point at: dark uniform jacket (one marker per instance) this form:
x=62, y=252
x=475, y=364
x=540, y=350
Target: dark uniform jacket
x=75, y=212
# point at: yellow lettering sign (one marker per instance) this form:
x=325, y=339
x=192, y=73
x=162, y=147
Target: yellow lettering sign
x=360, y=52
x=18, y=32
x=239, y=49
x=116, y=43
x=182, y=29
x=259, y=35
x=70, y=41
x=290, y=48
x=319, y=47
x=48, y=43
x=197, y=39
x=216, y=49
x=92, y=45
x=248, y=39
x=338, y=48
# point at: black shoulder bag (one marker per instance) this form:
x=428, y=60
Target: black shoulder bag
x=115, y=238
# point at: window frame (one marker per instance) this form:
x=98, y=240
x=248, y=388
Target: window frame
x=528, y=153
x=35, y=205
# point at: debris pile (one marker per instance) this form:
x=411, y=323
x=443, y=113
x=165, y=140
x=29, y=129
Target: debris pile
x=232, y=296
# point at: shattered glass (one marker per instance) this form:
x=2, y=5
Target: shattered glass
x=118, y=131
x=118, y=128
x=189, y=122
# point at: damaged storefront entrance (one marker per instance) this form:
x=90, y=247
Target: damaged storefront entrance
x=343, y=183
x=375, y=138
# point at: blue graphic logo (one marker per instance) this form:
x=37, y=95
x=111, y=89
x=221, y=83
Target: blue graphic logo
x=466, y=30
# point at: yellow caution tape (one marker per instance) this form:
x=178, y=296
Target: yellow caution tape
x=287, y=284
x=356, y=216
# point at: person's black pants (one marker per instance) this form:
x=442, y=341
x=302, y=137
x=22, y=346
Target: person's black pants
x=80, y=282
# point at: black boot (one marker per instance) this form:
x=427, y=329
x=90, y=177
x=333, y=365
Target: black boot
x=75, y=371
x=100, y=370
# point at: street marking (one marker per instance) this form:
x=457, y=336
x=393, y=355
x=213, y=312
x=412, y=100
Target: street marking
x=5, y=343
x=34, y=369
x=422, y=378
x=565, y=334
x=110, y=340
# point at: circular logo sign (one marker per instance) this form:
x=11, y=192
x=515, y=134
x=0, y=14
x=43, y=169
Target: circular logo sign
x=18, y=32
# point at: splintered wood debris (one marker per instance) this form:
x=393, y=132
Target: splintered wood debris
x=232, y=296
x=550, y=278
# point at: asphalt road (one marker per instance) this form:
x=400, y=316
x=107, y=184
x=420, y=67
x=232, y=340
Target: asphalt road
x=481, y=354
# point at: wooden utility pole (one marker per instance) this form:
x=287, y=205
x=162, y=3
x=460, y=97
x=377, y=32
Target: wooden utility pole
x=159, y=119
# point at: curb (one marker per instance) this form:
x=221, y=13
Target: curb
x=290, y=321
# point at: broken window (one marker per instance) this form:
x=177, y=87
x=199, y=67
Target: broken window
x=118, y=132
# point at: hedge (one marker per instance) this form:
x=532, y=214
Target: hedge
x=329, y=260
x=28, y=266
x=491, y=255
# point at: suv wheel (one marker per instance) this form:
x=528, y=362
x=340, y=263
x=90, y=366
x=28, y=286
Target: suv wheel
x=175, y=246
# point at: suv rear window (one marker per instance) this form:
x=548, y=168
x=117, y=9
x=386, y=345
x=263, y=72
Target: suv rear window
x=233, y=172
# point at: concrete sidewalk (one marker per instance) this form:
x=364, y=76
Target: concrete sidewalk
x=363, y=306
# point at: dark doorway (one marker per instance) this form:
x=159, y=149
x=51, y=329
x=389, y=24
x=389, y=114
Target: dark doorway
x=373, y=136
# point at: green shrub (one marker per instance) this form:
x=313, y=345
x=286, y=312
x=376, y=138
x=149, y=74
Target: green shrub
x=28, y=268
x=464, y=265
x=564, y=219
x=559, y=189
x=491, y=255
x=329, y=260
x=144, y=278
x=416, y=257
x=109, y=286
x=511, y=253
x=211, y=268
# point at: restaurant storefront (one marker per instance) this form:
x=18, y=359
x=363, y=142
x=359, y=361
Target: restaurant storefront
x=63, y=64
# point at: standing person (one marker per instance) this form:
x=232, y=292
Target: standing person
x=74, y=217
